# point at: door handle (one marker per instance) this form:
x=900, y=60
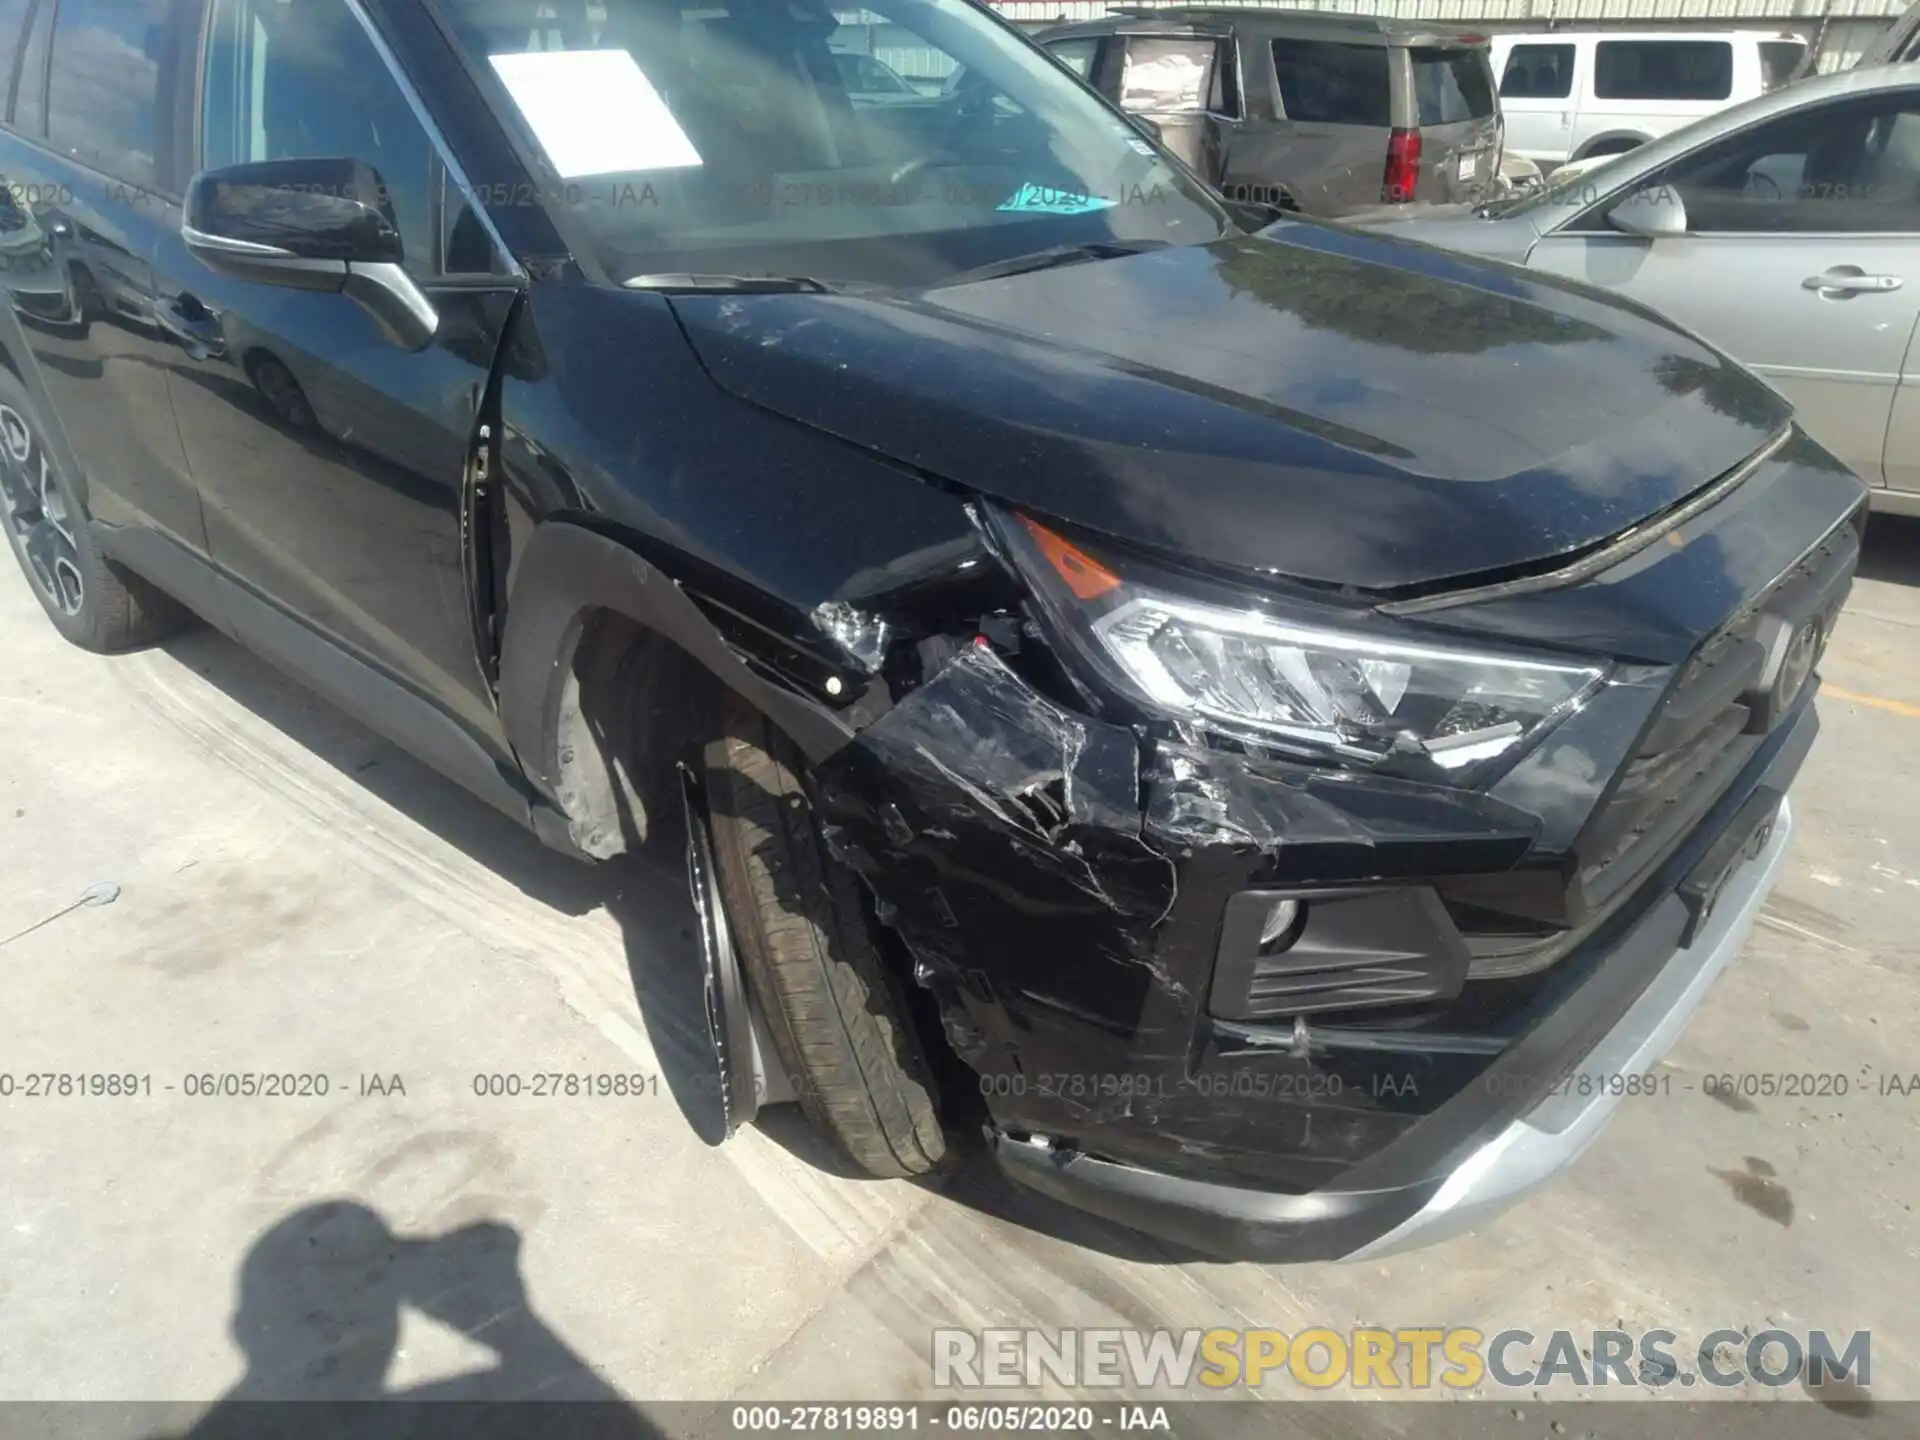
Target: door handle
x=192, y=326
x=1851, y=280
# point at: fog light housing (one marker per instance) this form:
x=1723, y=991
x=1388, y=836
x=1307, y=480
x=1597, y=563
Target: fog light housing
x=1302, y=951
x=1285, y=920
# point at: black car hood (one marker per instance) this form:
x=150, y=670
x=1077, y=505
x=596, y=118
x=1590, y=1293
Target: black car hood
x=1318, y=403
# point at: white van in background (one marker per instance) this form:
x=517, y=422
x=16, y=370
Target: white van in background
x=1571, y=94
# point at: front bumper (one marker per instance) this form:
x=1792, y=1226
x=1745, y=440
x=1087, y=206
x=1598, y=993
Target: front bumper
x=1346, y=1222
x=1063, y=886
x=1079, y=995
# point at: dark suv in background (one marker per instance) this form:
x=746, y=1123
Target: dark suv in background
x=1319, y=113
x=1279, y=729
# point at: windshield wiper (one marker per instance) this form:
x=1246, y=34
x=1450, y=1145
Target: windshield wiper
x=732, y=284
x=1054, y=255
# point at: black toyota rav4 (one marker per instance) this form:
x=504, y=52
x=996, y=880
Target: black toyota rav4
x=1280, y=726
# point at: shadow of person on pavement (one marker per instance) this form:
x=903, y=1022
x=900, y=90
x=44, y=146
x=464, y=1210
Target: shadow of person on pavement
x=646, y=895
x=318, y=1318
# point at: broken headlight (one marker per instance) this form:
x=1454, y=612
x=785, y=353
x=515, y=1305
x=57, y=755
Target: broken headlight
x=1312, y=687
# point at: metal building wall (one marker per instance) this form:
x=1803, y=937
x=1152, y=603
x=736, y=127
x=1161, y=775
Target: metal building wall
x=1847, y=40
x=1721, y=14
x=1844, y=29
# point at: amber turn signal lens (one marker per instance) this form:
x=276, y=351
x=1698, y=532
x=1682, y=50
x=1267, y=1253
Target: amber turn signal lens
x=1085, y=576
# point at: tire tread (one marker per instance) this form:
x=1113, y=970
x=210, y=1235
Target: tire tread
x=834, y=1009
x=121, y=611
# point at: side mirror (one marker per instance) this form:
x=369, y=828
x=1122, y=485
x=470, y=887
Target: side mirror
x=321, y=224
x=1653, y=212
x=1147, y=126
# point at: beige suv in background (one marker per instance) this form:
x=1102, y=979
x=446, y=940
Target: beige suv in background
x=1313, y=112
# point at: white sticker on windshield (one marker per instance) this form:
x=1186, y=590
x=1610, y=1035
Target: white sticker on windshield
x=594, y=113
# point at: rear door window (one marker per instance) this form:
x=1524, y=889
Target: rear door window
x=1329, y=83
x=1077, y=54
x=28, y=75
x=13, y=21
x=1538, y=72
x=103, y=94
x=865, y=76
x=1663, y=70
x=1171, y=75
x=1451, y=85
x=888, y=61
x=30, y=96
x=1780, y=61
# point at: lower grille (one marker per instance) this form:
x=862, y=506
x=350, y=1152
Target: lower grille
x=1712, y=721
x=1659, y=798
x=1716, y=715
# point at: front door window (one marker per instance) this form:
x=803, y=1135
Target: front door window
x=299, y=79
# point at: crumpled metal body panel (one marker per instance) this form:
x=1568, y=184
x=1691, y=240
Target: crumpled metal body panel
x=1001, y=837
x=1060, y=879
x=1199, y=798
x=1059, y=882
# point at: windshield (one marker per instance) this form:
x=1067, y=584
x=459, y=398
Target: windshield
x=746, y=137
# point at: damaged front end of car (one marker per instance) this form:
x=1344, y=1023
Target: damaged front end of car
x=1265, y=959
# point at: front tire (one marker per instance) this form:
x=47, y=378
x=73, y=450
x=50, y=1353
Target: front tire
x=91, y=601
x=836, y=1012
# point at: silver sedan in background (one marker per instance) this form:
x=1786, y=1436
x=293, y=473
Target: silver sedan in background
x=1786, y=230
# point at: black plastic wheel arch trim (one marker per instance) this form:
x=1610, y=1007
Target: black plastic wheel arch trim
x=729, y=1010
x=569, y=571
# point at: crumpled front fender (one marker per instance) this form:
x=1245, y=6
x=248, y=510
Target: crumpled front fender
x=1060, y=880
